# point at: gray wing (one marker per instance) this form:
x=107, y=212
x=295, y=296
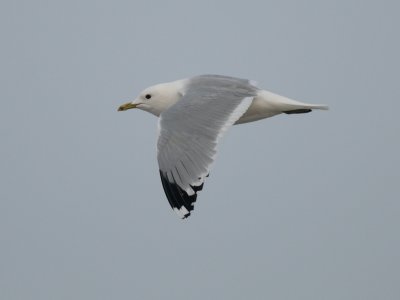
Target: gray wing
x=190, y=130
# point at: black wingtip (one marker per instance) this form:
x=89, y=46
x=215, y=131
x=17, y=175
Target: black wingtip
x=197, y=188
x=298, y=111
x=179, y=200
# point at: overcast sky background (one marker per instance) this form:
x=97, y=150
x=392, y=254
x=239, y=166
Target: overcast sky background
x=296, y=207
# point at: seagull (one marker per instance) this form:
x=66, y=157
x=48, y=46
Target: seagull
x=194, y=114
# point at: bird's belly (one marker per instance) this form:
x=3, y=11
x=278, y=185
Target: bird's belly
x=259, y=109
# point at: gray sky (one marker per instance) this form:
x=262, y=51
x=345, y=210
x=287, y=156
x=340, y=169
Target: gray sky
x=296, y=207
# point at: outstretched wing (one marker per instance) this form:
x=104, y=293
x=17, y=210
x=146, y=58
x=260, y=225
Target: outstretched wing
x=189, y=132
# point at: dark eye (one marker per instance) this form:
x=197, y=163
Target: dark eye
x=148, y=96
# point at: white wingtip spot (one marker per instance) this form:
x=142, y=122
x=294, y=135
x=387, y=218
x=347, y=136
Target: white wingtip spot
x=182, y=212
x=189, y=191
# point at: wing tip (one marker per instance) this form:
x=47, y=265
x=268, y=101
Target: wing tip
x=182, y=212
x=180, y=201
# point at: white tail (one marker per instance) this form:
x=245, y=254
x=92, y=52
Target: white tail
x=282, y=104
x=267, y=104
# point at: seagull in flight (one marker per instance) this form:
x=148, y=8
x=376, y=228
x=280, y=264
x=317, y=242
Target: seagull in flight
x=194, y=114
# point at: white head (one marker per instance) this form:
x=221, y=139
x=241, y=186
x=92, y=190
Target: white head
x=157, y=98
